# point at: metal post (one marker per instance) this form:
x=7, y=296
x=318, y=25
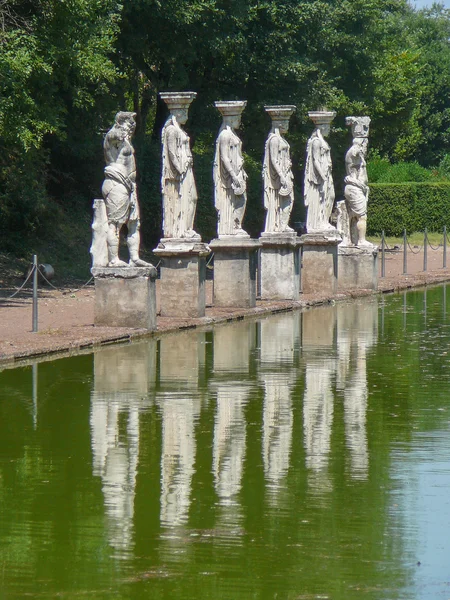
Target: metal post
x=405, y=253
x=35, y=294
x=444, y=258
x=425, y=250
x=383, y=266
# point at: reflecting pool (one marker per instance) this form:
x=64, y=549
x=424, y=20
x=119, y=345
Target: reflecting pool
x=301, y=456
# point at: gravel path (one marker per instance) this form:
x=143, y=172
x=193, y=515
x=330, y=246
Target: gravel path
x=66, y=317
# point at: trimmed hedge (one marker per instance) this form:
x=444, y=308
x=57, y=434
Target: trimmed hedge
x=411, y=206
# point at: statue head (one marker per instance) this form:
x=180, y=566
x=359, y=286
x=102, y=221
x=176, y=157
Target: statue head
x=180, y=114
x=178, y=104
x=280, y=116
x=231, y=112
x=322, y=119
x=126, y=121
x=363, y=143
x=360, y=126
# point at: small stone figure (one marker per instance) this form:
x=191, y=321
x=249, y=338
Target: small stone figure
x=230, y=185
x=177, y=182
x=319, y=187
x=119, y=191
x=277, y=173
x=356, y=183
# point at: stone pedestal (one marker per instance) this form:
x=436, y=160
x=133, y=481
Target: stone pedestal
x=183, y=275
x=280, y=266
x=125, y=297
x=319, y=262
x=357, y=268
x=235, y=266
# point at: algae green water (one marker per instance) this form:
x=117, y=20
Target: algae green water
x=302, y=456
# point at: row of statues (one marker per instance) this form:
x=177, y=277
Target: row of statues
x=230, y=179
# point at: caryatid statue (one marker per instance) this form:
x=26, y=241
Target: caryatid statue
x=230, y=185
x=319, y=188
x=277, y=173
x=119, y=191
x=356, y=189
x=177, y=183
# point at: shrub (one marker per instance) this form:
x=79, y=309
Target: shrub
x=410, y=206
x=380, y=170
x=444, y=167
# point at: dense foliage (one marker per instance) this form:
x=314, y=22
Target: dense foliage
x=411, y=206
x=66, y=66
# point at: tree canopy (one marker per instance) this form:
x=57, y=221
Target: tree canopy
x=66, y=66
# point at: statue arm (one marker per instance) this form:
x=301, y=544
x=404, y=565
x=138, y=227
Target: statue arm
x=113, y=140
x=274, y=154
x=225, y=158
x=316, y=154
x=171, y=141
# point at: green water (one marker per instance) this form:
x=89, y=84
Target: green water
x=302, y=456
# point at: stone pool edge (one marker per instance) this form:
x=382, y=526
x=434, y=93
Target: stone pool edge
x=168, y=325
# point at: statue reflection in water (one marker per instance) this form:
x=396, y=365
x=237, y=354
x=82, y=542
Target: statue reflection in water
x=335, y=344
x=232, y=347
x=318, y=338
x=181, y=357
x=121, y=385
x=357, y=333
x=279, y=341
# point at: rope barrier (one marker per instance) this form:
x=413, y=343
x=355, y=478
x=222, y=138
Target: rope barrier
x=46, y=280
x=21, y=287
x=78, y=289
x=415, y=251
x=434, y=248
x=59, y=290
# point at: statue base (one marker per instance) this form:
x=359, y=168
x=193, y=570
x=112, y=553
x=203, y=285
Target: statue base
x=358, y=268
x=279, y=273
x=320, y=262
x=183, y=275
x=125, y=297
x=235, y=266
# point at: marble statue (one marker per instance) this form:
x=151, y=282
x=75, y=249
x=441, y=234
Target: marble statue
x=319, y=187
x=277, y=173
x=356, y=189
x=177, y=182
x=119, y=191
x=230, y=185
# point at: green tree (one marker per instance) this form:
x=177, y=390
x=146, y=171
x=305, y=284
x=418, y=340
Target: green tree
x=55, y=73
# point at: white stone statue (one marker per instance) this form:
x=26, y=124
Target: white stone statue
x=277, y=173
x=319, y=187
x=230, y=185
x=119, y=191
x=177, y=183
x=356, y=189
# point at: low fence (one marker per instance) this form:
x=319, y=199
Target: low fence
x=442, y=247
x=36, y=271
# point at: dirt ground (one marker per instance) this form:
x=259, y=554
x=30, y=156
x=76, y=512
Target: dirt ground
x=66, y=316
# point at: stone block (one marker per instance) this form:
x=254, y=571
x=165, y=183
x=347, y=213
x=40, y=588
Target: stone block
x=280, y=267
x=125, y=297
x=235, y=267
x=183, y=275
x=319, y=273
x=357, y=268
